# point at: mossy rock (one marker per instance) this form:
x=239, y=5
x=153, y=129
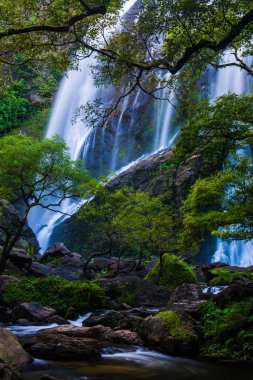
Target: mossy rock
x=175, y=326
x=175, y=272
x=226, y=277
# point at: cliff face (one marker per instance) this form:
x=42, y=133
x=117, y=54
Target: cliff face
x=150, y=174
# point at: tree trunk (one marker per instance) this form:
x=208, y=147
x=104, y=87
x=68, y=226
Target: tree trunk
x=85, y=265
x=161, y=268
x=140, y=260
x=11, y=241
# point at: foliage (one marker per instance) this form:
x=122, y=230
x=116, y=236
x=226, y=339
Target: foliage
x=174, y=273
x=168, y=35
x=226, y=330
x=56, y=292
x=29, y=167
x=213, y=130
x=176, y=328
x=222, y=201
x=37, y=173
x=226, y=277
x=17, y=109
x=127, y=221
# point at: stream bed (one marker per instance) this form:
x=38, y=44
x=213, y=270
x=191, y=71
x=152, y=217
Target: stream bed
x=124, y=363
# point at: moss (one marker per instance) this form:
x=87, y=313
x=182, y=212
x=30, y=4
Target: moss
x=175, y=272
x=227, y=331
x=225, y=277
x=176, y=328
x=56, y=292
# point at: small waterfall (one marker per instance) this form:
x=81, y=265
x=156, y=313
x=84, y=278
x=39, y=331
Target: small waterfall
x=236, y=252
x=75, y=89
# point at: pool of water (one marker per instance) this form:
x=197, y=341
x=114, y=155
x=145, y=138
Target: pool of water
x=125, y=363
x=137, y=365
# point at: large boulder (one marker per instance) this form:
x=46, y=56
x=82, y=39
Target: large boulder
x=55, y=251
x=5, y=281
x=99, y=332
x=135, y=291
x=54, y=346
x=40, y=270
x=8, y=372
x=20, y=258
x=131, y=318
x=11, y=350
x=168, y=333
x=33, y=312
x=234, y=292
x=187, y=298
x=68, y=342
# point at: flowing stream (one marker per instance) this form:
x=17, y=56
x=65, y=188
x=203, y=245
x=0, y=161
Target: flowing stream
x=124, y=362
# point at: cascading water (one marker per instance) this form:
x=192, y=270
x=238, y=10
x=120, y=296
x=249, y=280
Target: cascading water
x=237, y=252
x=76, y=88
x=84, y=142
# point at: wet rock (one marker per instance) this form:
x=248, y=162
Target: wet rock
x=11, y=350
x=74, y=260
x=8, y=372
x=20, y=258
x=99, y=332
x=55, y=251
x=52, y=345
x=34, y=312
x=23, y=322
x=6, y=315
x=57, y=319
x=40, y=270
x=187, y=298
x=124, y=337
x=135, y=291
x=5, y=281
x=109, y=318
x=159, y=335
x=234, y=292
x=71, y=314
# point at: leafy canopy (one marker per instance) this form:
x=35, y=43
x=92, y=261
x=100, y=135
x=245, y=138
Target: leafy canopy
x=38, y=172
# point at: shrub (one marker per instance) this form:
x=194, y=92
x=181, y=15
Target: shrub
x=56, y=292
x=175, y=326
x=225, y=277
x=175, y=272
x=227, y=331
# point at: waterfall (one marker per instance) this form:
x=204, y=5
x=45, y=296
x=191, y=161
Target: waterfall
x=75, y=89
x=127, y=140
x=236, y=252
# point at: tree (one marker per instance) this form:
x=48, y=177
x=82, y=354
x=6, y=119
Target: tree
x=127, y=221
x=221, y=205
x=147, y=224
x=36, y=174
x=166, y=36
x=101, y=211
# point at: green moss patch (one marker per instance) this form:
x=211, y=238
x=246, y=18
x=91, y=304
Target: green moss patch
x=225, y=277
x=176, y=328
x=56, y=292
x=175, y=272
